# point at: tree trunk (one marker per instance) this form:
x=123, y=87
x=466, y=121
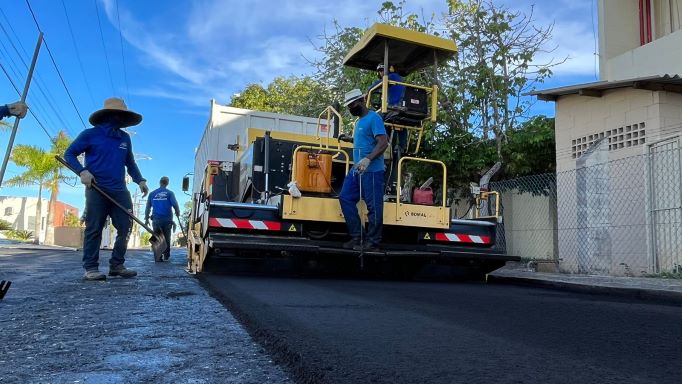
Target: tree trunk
x=51, y=209
x=39, y=206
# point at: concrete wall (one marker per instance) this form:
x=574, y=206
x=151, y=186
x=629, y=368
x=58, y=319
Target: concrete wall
x=69, y=236
x=628, y=117
x=529, y=225
x=626, y=120
x=621, y=55
x=615, y=36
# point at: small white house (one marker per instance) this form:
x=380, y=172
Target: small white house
x=21, y=213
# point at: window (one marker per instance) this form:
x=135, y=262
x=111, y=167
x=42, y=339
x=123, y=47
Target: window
x=8, y=211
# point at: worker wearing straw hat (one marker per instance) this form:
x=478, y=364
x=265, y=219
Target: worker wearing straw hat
x=108, y=153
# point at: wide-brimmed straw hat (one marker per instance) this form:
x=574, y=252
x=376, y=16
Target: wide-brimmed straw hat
x=115, y=106
x=351, y=96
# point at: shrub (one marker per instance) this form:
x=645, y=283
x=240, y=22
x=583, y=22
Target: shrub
x=5, y=225
x=19, y=234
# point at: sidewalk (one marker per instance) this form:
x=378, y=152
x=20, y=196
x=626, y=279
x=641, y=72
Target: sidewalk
x=647, y=288
x=161, y=326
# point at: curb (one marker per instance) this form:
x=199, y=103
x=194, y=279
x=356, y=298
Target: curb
x=659, y=295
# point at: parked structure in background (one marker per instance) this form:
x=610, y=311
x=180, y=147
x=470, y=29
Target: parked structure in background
x=618, y=185
x=20, y=212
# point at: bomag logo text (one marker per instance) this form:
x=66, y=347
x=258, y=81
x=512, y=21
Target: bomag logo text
x=415, y=214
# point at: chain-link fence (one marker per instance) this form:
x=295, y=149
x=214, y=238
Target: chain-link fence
x=620, y=217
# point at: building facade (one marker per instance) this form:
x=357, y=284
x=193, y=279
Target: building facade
x=618, y=146
x=20, y=212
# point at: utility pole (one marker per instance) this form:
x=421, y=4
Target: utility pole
x=23, y=99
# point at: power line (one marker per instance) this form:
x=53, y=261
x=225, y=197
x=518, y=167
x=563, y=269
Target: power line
x=55, y=65
x=78, y=55
x=15, y=69
x=39, y=81
x=19, y=93
x=120, y=35
x=106, y=57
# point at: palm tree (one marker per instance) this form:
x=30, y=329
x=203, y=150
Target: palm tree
x=59, y=145
x=38, y=164
x=44, y=170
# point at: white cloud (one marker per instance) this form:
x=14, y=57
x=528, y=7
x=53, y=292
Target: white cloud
x=572, y=36
x=222, y=45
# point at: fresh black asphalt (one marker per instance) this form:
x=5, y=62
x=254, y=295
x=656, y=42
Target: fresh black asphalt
x=376, y=331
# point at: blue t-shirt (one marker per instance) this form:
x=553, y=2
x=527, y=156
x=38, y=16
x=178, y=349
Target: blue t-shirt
x=161, y=201
x=4, y=111
x=395, y=91
x=108, y=152
x=364, y=139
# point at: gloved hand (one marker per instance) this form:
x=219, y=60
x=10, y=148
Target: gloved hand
x=146, y=221
x=173, y=227
x=361, y=165
x=87, y=178
x=143, y=188
x=346, y=138
x=18, y=109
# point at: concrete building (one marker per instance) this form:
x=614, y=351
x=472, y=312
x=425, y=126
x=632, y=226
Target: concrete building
x=618, y=143
x=21, y=213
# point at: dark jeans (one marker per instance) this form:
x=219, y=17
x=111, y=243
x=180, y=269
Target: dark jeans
x=164, y=226
x=97, y=209
x=373, y=195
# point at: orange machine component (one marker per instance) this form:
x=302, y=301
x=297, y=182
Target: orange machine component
x=313, y=172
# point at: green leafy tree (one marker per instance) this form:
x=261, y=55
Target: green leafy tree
x=56, y=177
x=292, y=95
x=330, y=70
x=481, y=104
x=44, y=170
x=530, y=149
x=71, y=220
x=184, y=220
x=495, y=66
x=38, y=164
x=144, y=239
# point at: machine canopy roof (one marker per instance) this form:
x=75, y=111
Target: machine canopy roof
x=408, y=50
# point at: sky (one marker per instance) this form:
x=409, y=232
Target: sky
x=168, y=59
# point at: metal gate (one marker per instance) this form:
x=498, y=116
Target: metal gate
x=664, y=201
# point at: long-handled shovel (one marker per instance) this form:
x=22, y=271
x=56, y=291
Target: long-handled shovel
x=158, y=240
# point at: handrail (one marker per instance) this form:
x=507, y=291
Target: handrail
x=399, y=186
x=484, y=197
x=329, y=110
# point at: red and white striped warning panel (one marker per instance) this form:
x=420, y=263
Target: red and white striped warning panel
x=263, y=225
x=457, y=238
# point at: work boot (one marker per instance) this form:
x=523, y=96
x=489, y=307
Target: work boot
x=351, y=244
x=94, y=275
x=122, y=271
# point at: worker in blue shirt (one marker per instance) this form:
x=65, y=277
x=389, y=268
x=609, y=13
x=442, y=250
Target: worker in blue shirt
x=395, y=97
x=17, y=109
x=108, y=152
x=161, y=203
x=366, y=179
